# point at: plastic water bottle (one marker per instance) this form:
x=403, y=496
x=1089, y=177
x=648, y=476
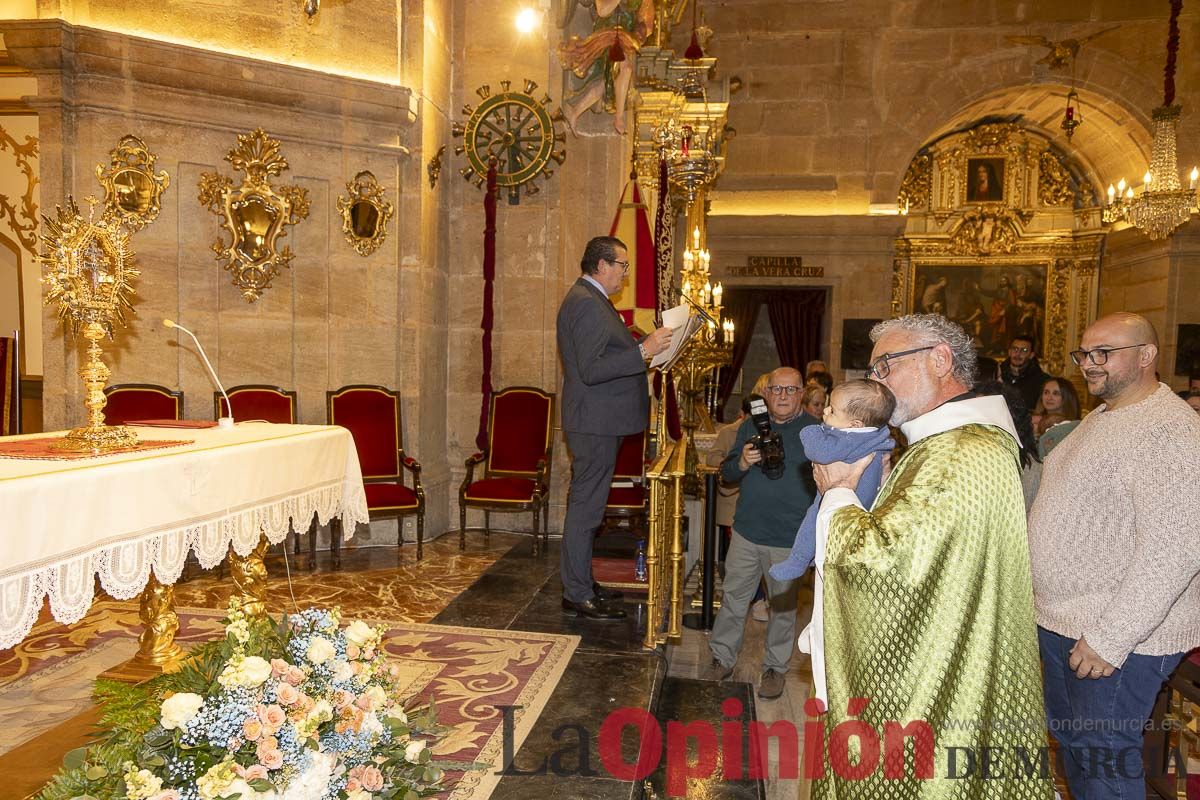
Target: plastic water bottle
x=639, y=564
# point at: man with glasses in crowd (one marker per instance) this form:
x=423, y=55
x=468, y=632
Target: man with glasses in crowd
x=1115, y=538
x=768, y=514
x=1021, y=369
x=605, y=398
x=928, y=603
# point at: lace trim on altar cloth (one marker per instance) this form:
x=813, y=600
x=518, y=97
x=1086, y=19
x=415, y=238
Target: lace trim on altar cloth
x=124, y=569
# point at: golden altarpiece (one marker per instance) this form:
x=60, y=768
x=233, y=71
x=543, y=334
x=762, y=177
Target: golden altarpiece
x=1004, y=236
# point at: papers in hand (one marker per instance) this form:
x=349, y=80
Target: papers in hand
x=683, y=324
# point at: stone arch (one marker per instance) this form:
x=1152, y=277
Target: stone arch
x=1116, y=100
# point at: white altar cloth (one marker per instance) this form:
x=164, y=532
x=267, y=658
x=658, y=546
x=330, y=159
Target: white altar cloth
x=116, y=517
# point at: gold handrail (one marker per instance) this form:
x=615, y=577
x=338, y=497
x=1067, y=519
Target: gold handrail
x=664, y=546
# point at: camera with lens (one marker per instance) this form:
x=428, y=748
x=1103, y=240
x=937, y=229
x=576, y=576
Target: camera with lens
x=768, y=442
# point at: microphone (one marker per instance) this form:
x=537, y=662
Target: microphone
x=223, y=422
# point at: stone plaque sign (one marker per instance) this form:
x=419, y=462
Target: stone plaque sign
x=775, y=267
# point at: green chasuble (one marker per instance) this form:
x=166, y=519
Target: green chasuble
x=928, y=615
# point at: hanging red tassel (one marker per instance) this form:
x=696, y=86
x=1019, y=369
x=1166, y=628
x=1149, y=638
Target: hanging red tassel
x=489, y=277
x=694, y=51
x=1172, y=53
x=616, y=53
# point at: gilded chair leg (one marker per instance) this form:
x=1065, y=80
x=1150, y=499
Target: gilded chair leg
x=462, y=527
x=535, y=530
x=420, y=534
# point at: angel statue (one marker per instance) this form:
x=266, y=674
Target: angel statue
x=1062, y=53
x=605, y=59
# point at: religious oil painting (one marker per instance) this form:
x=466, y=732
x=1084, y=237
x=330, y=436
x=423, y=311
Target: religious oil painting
x=985, y=180
x=993, y=303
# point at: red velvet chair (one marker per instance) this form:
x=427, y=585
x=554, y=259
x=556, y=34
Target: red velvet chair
x=372, y=414
x=258, y=402
x=516, y=463
x=629, y=502
x=134, y=401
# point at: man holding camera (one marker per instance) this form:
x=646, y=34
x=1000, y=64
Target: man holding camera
x=776, y=489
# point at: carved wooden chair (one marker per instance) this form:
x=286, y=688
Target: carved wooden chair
x=628, y=503
x=516, y=463
x=137, y=401
x=372, y=414
x=258, y=402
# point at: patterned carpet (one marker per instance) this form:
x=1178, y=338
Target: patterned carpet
x=468, y=672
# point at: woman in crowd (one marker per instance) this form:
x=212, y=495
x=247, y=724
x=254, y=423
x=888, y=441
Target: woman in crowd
x=1057, y=413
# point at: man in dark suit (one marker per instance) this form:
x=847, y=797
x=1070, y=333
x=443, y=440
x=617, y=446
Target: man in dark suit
x=605, y=398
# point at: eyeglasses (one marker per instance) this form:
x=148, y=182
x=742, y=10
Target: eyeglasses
x=1099, y=356
x=624, y=265
x=1017, y=349
x=882, y=367
x=778, y=390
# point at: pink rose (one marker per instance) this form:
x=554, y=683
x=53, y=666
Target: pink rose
x=342, y=698
x=356, y=667
x=166, y=794
x=272, y=717
x=253, y=729
x=272, y=759
x=279, y=668
x=253, y=772
x=372, y=779
x=353, y=785
x=295, y=676
x=352, y=651
x=287, y=694
x=267, y=744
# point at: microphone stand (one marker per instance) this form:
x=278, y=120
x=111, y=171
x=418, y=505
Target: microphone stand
x=224, y=423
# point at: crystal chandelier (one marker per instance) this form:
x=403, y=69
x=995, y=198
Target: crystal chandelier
x=698, y=289
x=1164, y=204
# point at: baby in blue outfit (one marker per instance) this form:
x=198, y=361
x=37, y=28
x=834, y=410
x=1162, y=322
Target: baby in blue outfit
x=855, y=426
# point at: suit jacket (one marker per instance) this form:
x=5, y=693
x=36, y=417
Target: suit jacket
x=605, y=391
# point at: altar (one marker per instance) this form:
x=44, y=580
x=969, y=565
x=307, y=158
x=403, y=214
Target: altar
x=132, y=519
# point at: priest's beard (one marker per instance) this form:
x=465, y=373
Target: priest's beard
x=909, y=406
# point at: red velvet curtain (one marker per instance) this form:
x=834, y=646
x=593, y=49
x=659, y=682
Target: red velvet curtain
x=741, y=307
x=796, y=316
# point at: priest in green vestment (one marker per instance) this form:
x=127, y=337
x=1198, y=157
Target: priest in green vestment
x=923, y=640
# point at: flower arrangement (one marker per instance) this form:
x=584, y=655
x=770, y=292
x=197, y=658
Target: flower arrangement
x=301, y=709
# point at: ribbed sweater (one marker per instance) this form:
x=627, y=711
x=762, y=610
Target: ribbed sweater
x=1114, y=534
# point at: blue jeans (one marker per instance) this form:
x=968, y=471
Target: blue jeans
x=1099, y=723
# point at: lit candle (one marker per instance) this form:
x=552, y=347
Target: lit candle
x=729, y=339
x=1129, y=193
x=707, y=293
x=687, y=259
x=696, y=238
x=1111, y=192
x=687, y=288
x=718, y=290
x=1147, y=178
x=1121, y=186
x=1195, y=176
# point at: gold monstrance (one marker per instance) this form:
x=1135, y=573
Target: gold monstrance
x=89, y=272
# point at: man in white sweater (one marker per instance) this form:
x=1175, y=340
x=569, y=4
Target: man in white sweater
x=1114, y=537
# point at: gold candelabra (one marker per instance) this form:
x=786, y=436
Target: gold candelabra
x=89, y=270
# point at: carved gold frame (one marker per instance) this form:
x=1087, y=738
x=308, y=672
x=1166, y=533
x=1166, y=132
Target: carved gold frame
x=132, y=189
x=364, y=205
x=254, y=214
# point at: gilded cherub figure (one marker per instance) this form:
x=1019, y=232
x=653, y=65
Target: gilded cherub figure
x=605, y=59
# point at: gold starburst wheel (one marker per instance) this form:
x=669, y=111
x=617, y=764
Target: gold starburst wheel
x=515, y=129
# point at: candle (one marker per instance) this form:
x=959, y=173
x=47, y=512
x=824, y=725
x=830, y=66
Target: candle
x=718, y=290
x=696, y=238
x=687, y=259
x=1147, y=178
x=1129, y=193
x=707, y=292
x=687, y=288
x=1111, y=192
x=1121, y=186
x=1194, y=177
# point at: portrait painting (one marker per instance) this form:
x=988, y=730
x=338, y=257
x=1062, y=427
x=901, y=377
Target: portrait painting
x=985, y=180
x=993, y=303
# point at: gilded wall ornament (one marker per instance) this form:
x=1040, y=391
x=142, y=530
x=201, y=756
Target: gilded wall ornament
x=24, y=224
x=365, y=213
x=89, y=273
x=518, y=131
x=132, y=189
x=917, y=187
x=984, y=232
x=1054, y=182
x=254, y=214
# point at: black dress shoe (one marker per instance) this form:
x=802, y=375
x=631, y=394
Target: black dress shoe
x=606, y=594
x=591, y=609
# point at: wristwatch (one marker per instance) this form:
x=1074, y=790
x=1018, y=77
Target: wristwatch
x=642, y=350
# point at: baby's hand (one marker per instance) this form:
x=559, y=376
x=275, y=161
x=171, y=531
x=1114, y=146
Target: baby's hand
x=840, y=474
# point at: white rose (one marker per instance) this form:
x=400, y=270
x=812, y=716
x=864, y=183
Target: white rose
x=360, y=633
x=179, y=708
x=254, y=671
x=359, y=794
x=397, y=713
x=319, y=650
x=377, y=696
x=412, y=753
x=342, y=671
x=321, y=711
x=372, y=725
